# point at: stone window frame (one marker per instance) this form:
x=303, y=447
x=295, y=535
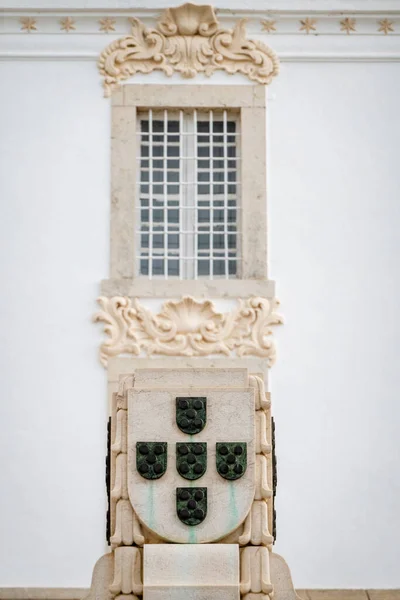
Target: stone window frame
x=250, y=101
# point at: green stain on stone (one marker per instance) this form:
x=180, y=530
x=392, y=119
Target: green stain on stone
x=192, y=536
x=150, y=504
x=233, y=510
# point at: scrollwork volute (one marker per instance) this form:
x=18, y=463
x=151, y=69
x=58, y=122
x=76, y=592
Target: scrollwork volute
x=187, y=40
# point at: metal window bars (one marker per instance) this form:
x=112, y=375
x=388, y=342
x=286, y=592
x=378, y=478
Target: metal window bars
x=188, y=191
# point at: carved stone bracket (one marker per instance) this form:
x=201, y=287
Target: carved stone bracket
x=188, y=327
x=187, y=40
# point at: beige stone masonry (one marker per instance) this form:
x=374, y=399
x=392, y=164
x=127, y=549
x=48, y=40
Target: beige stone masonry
x=188, y=327
x=186, y=40
x=337, y=595
x=27, y=593
x=249, y=101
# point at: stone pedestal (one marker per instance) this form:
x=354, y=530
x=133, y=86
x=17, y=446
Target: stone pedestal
x=192, y=490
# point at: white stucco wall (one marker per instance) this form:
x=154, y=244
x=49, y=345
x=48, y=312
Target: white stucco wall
x=334, y=247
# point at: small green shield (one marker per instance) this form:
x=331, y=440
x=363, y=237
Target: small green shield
x=191, y=505
x=191, y=459
x=191, y=413
x=231, y=459
x=151, y=459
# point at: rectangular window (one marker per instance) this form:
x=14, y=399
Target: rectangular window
x=188, y=191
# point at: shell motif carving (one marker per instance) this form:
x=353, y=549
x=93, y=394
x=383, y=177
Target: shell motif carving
x=187, y=40
x=188, y=327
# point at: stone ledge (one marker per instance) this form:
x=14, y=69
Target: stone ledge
x=25, y=593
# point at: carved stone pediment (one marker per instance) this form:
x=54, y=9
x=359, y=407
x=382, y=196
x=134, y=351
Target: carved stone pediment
x=187, y=40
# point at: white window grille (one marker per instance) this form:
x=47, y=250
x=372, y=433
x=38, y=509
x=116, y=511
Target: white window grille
x=187, y=214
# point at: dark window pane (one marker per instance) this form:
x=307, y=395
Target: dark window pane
x=144, y=267
x=218, y=176
x=219, y=267
x=203, y=242
x=173, y=126
x=204, y=216
x=158, y=126
x=203, y=267
x=158, y=241
x=173, y=176
x=172, y=150
x=158, y=215
x=218, y=216
x=218, y=241
x=173, y=241
x=204, y=176
x=231, y=216
x=203, y=164
x=144, y=240
x=203, y=151
x=203, y=189
x=218, y=189
x=203, y=126
x=158, y=266
x=144, y=125
x=173, y=268
x=144, y=215
x=173, y=215
x=232, y=267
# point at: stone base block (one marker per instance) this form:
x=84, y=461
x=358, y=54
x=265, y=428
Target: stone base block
x=196, y=571
x=281, y=579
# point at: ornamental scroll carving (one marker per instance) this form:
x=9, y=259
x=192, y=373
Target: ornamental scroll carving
x=187, y=40
x=188, y=327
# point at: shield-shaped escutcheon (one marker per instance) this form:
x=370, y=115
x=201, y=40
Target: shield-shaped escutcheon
x=152, y=415
x=191, y=413
x=151, y=459
x=191, y=505
x=191, y=459
x=231, y=459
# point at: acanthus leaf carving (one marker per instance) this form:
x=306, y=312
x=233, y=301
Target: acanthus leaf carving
x=187, y=40
x=188, y=327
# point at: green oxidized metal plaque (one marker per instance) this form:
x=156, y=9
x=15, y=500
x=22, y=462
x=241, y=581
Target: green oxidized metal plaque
x=231, y=459
x=151, y=459
x=191, y=459
x=191, y=413
x=191, y=505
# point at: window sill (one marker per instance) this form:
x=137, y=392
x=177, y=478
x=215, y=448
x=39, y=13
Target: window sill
x=209, y=288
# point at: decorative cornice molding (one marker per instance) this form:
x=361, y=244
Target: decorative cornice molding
x=298, y=35
x=187, y=40
x=188, y=327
